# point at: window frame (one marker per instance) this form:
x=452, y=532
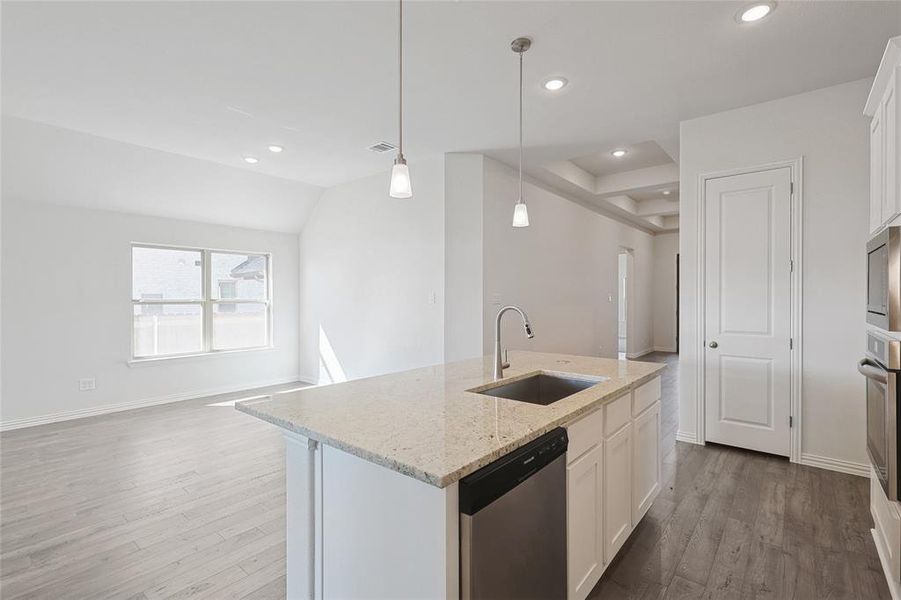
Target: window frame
x=206, y=303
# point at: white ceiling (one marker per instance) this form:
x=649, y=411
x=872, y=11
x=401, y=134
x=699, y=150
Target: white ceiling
x=640, y=188
x=43, y=163
x=215, y=80
x=638, y=156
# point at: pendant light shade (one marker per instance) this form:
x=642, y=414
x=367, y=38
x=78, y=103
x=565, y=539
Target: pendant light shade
x=520, y=212
x=401, y=186
x=520, y=215
x=400, y=180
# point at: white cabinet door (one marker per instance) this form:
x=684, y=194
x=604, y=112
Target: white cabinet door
x=617, y=490
x=887, y=523
x=891, y=203
x=584, y=523
x=876, y=162
x=646, y=461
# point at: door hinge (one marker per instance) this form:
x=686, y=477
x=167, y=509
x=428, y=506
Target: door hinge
x=791, y=188
x=790, y=421
x=791, y=344
x=791, y=266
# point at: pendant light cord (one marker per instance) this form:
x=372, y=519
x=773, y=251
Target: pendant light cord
x=520, y=127
x=400, y=78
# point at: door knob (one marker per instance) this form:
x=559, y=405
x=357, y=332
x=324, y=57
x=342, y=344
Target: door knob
x=713, y=345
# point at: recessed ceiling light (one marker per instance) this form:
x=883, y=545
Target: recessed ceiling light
x=666, y=192
x=618, y=153
x=251, y=160
x=755, y=12
x=274, y=148
x=555, y=83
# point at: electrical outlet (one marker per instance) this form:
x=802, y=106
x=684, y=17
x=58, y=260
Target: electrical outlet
x=433, y=298
x=495, y=299
x=87, y=384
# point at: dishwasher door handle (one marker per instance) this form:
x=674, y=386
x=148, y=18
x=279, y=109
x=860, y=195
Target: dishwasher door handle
x=870, y=370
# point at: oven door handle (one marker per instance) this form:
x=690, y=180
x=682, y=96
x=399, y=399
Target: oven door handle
x=871, y=371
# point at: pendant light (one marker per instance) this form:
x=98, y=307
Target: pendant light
x=520, y=211
x=400, y=173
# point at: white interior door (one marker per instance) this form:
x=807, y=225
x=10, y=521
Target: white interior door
x=748, y=310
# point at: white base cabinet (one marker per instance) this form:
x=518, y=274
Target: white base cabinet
x=886, y=534
x=617, y=490
x=646, y=455
x=584, y=522
x=612, y=477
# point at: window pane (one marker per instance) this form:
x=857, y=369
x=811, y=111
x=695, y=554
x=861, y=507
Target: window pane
x=167, y=274
x=162, y=329
x=238, y=276
x=239, y=325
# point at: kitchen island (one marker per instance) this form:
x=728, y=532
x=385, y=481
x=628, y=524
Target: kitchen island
x=373, y=467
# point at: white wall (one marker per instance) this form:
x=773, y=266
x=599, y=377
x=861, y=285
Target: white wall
x=370, y=265
x=464, y=187
x=827, y=128
x=562, y=270
x=67, y=311
x=666, y=248
x=372, y=278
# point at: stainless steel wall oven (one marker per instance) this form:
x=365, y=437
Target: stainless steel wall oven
x=881, y=367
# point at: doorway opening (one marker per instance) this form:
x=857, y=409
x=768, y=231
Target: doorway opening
x=625, y=264
x=678, y=274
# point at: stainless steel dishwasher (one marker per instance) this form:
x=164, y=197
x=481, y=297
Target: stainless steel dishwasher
x=513, y=524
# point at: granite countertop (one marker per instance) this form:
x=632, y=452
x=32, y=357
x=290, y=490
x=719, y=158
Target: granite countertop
x=426, y=424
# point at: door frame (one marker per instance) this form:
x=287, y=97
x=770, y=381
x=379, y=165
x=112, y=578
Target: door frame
x=796, y=287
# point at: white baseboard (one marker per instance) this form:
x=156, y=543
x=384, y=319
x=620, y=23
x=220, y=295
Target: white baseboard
x=670, y=349
x=311, y=379
x=639, y=354
x=689, y=438
x=80, y=413
x=836, y=464
x=893, y=587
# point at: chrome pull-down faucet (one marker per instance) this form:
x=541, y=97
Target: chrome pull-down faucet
x=501, y=363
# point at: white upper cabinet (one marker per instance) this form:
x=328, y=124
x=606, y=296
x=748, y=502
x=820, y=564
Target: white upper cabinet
x=891, y=195
x=876, y=187
x=885, y=137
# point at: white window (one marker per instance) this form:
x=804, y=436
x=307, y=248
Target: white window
x=194, y=301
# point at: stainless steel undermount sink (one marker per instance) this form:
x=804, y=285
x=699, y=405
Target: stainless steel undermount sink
x=542, y=388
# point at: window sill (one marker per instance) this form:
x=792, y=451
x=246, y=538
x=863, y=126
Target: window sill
x=161, y=360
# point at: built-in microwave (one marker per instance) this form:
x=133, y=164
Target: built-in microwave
x=884, y=279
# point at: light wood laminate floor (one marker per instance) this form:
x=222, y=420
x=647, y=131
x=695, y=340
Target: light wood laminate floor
x=187, y=501
x=735, y=524
x=184, y=500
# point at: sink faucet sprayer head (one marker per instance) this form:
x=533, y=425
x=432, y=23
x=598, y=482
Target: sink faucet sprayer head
x=528, y=328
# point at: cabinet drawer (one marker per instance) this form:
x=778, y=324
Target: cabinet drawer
x=584, y=434
x=645, y=396
x=888, y=525
x=616, y=414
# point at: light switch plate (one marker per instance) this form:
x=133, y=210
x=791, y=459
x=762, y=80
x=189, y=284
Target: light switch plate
x=87, y=384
